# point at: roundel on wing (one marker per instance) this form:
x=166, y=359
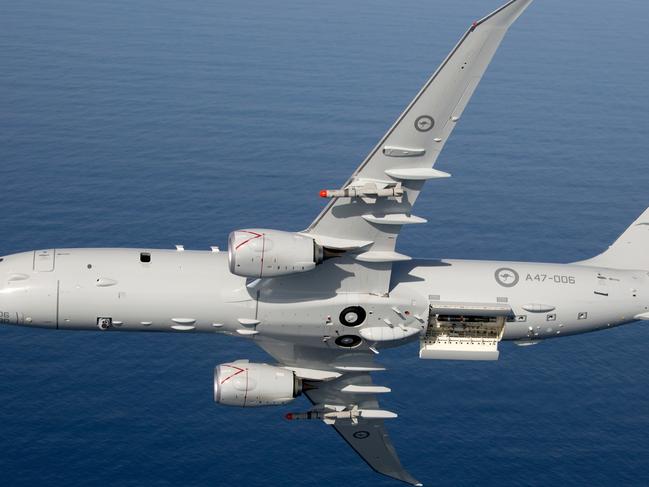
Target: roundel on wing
x=424, y=123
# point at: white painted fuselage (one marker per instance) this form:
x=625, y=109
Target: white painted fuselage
x=194, y=291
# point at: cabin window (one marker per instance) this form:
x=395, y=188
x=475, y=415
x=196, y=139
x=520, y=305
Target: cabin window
x=145, y=257
x=551, y=317
x=582, y=316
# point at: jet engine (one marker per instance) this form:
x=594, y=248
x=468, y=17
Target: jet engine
x=270, y=253
x=246, y=384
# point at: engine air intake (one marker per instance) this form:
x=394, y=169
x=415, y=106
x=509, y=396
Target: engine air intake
x=259, y=253
x=246, y=384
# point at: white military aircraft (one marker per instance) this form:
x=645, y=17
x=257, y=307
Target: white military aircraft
x=322, y=302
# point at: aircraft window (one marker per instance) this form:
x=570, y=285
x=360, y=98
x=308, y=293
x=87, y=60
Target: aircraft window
x=582, y=316
x=521, y=318
x=145, y=257
x=551, y=317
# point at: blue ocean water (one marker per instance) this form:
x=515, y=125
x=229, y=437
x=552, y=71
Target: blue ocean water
x=153, y=123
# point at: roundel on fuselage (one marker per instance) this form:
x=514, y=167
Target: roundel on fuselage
x=506, y=276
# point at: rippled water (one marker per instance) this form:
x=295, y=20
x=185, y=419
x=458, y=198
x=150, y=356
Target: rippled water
x=152, y=123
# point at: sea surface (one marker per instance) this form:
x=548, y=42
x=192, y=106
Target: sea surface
x=153, y=123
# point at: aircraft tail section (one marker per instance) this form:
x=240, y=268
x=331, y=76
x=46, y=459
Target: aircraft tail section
x=630, y=250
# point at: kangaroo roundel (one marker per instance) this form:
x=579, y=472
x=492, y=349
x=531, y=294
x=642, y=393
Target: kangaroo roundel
x=506, y=276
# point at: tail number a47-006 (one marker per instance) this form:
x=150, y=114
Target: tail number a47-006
x=555, y=278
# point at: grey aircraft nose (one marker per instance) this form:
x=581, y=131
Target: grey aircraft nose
x=28, y=296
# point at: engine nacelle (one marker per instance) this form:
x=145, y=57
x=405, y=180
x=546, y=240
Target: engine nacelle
x=246, y=384
x=270, y=253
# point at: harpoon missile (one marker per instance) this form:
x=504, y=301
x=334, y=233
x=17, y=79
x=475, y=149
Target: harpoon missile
x=367, y=190
x=331, y=416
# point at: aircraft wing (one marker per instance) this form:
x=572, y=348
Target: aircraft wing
x=367, y=213
x=336, y=379
x=375, y=447
x=368, y=437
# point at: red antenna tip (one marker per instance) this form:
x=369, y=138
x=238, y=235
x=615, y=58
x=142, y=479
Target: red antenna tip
x=288, y=416
x=323, y=193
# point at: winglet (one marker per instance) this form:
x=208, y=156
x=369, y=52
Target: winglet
x=509, y=15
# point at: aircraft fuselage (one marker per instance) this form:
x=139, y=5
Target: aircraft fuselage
x=194, y=291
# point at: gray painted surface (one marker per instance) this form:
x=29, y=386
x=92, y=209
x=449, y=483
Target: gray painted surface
x=296, y=318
